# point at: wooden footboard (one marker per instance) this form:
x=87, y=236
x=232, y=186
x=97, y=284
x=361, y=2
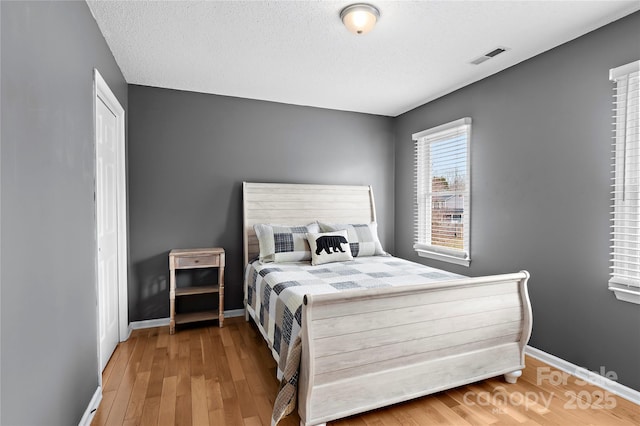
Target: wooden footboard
x=367, y=349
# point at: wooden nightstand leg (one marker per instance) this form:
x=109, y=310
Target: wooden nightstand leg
x=172, y=299
x=221, y=291
x=221, y=307
x=172, y=319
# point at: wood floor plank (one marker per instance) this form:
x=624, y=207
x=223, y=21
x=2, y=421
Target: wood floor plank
x=120, y=403
x=253, y=379
x=478, y=412
x=138, y=396
x=199, y=405
x=167, y=414
x=184, y=371
x=228, y=390
x=264, y=407
x=404, y=417
x=259, y=378
x=232, y=413
x=220, y=358
x=108, y=369
x=123, y=384
x=163, y=338
x=234, y=363
x=195, y=352
x=226, y=376
x=350, y=421
x=214, y=396
x=156, y=378
x=252, y=421
x=146, y=361
x=444, y=411
x=292, y=420
x=424, y=416
x=150, y=412
x=373, y=421
x=183, y=410
x=102, y=413
x=171, y=368
x=225, y=335
x=488, y=397
x=245, y=399
x=121, y=364
x=216, y=417
x=210, y=368
x=238, y=342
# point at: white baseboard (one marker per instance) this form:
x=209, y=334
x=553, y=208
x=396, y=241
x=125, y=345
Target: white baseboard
x=158, y=322
x=234, y=313
x=161, y=322
x=91, y=408
x=582, y=373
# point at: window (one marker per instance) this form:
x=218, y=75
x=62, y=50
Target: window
x=625, y=210
x=442, y=192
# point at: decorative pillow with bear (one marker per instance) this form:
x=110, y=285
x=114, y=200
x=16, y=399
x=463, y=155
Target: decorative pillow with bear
x=363, y=238
x=284, y=243
x=329, y=247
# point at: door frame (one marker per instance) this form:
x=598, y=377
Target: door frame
x=102, y=92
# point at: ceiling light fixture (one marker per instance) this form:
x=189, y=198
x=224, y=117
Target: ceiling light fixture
x=359, y=18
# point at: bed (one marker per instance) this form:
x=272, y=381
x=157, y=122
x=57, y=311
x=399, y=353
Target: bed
x=367, y=348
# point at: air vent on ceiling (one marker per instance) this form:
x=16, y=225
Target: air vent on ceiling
x=495, y=52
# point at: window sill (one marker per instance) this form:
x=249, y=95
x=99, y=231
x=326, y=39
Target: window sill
x=626, y=294
x=443, y=257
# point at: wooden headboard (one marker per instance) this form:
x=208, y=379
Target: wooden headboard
x=296, y=204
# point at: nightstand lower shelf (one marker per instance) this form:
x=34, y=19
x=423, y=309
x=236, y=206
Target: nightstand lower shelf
x=196, y=316
x=188, y=291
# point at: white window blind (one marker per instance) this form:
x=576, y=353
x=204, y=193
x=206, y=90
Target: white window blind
x=625, y=221
x=442, y=192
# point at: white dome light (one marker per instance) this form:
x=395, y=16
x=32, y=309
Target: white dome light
x=359, y=18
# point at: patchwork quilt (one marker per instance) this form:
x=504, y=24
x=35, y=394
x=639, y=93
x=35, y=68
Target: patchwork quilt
x=275, y=293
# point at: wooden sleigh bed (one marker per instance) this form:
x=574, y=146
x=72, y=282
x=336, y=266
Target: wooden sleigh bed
x=365, y=349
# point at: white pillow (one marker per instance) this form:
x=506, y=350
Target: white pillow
x=284, y=243
x=329, y=247
x=363, y=237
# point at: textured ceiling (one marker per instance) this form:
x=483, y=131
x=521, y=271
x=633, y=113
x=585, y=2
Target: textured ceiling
x=299, y=52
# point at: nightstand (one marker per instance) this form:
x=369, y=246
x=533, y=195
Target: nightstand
x=191, y=259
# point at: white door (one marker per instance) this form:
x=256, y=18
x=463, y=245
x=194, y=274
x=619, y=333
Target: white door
x=107, y=228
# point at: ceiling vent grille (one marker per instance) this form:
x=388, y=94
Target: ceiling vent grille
x=495, y=52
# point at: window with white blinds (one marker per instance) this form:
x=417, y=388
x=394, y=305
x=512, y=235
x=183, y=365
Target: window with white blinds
x=625, y=221
x=442, y=192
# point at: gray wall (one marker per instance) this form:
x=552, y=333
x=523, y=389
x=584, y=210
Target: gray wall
x=540, y=192
x=190, y=152
x=48, y=299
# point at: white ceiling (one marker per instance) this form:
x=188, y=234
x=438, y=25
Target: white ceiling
x=298, y=52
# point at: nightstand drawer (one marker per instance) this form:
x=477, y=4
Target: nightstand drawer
x=211, y=260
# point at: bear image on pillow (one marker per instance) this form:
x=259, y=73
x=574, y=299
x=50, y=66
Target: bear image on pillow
x=329, y=247
x=329, y=243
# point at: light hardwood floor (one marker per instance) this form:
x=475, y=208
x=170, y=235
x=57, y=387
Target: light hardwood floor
x=226, y=376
